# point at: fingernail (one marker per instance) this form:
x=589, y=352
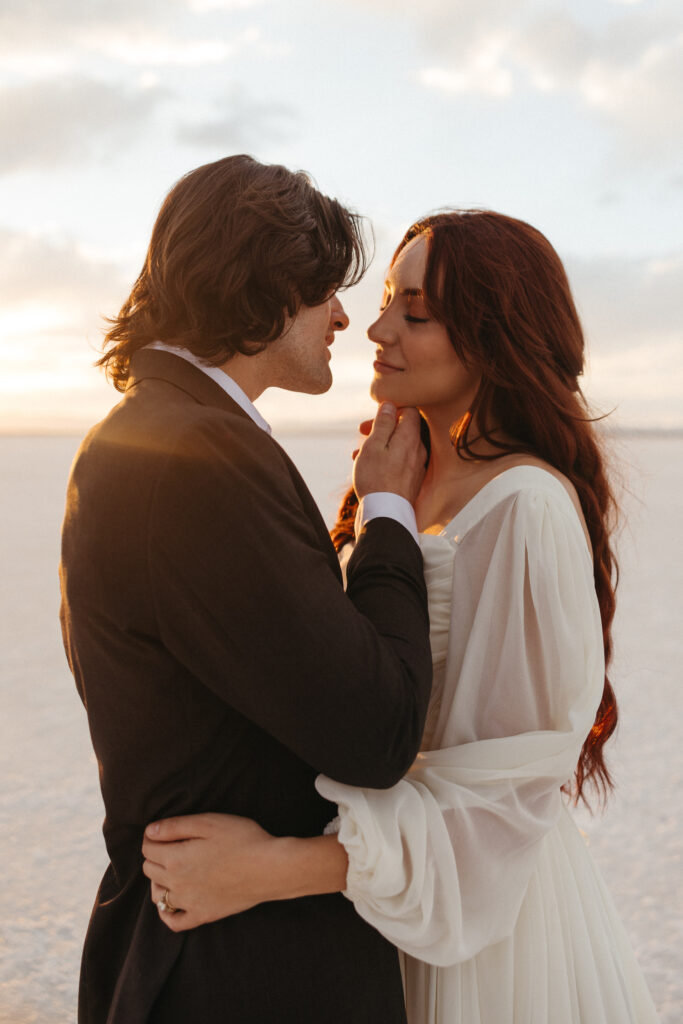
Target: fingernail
x=152, y=830
x=388, y=408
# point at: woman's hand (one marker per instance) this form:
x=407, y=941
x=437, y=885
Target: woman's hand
x=212, y=865
x=215, y=865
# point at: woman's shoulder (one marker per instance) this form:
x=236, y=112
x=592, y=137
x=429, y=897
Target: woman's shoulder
x=516, y=482
x=521, y=460
x=531, y=461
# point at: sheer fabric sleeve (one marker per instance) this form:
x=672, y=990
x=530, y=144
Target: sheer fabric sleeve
x=440, y=862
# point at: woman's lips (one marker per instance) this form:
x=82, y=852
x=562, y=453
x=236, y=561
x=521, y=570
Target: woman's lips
x=380, y=367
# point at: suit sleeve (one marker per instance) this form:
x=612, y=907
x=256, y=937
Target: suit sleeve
x=249, y=602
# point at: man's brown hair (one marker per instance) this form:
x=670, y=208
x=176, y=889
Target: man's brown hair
x=236, y=248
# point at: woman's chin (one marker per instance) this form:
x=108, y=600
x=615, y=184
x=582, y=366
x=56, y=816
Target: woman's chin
x=380, y=392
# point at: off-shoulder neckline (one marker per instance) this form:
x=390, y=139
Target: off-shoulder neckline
x=494, y=491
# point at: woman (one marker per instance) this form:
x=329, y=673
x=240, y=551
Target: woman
x=472, y=865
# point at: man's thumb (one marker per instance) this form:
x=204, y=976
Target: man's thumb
x=385, y=422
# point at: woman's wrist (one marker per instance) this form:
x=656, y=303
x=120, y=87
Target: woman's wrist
x=306, y=867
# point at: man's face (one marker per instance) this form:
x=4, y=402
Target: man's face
x=299, y=360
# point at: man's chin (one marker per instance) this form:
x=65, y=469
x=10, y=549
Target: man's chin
x=310, y=387
x=322, y=388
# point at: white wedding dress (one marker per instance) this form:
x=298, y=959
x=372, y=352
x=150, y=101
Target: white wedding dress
x=472, y=864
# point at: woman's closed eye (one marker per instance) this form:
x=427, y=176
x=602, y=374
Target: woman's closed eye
x=408, y=317
x=409, y=299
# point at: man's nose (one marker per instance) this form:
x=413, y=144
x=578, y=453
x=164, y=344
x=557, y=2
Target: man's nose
x=338, y=317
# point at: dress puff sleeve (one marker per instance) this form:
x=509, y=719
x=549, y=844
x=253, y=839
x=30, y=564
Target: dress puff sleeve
x=440, y=862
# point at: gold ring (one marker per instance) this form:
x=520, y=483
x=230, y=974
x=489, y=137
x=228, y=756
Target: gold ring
x=164, y=904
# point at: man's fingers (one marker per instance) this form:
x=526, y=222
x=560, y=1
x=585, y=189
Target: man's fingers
x=407, y=430
x=392, y=458
x=408, y=418
x=383, y=424
x=170, y=830
x=365, y=429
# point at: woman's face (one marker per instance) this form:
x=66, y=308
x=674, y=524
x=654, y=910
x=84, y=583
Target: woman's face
x=416, y=364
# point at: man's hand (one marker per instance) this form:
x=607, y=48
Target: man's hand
x=392, y=458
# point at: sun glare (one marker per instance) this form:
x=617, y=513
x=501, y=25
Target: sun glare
x=24, y=321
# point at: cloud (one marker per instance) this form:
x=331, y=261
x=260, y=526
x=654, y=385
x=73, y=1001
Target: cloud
x=145, y=47
x=41, y=16
x=53, y=296
x=44, y=25
x=632, y=313
x=552, y=51
x=156, y=49
x=479, y=71
x=631, y=74
x=628, y=71
x=629, y=303
x=49, y=269
x=207, y=6
x=52, y=286
x=642, y=100
x=240, y=123
x=56, y=121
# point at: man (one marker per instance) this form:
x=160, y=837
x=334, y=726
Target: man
x=220, y=662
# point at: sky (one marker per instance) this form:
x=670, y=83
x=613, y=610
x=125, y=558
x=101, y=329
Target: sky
x=567, y=114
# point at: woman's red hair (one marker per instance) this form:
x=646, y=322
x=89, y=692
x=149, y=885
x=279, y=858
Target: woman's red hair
x=500, y=289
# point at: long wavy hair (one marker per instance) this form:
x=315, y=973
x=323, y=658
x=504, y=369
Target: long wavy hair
x=501, y=291
x=237, y=246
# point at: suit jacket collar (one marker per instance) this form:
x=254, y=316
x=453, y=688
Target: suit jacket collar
x=152, y=364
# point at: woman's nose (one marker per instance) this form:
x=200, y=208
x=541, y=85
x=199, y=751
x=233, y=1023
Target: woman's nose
x=379, y=332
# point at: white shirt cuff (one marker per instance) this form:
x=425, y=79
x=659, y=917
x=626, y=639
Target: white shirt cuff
x=389, y=506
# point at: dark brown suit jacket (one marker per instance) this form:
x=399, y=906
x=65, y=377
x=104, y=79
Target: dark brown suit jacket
x=222, y=667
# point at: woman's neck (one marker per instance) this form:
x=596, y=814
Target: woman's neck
x=451, y=481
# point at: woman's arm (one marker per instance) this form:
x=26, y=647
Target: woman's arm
x=441, y=862
x=215, y=865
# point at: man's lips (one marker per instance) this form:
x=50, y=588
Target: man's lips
x=380, y=366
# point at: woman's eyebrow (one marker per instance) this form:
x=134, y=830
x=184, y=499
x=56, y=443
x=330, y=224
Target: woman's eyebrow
x=415, y=292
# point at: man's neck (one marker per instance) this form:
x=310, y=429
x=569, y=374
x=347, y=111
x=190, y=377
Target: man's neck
x=249, y=372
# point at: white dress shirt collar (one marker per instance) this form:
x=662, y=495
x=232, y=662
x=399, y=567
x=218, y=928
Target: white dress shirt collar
x=223, y=379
